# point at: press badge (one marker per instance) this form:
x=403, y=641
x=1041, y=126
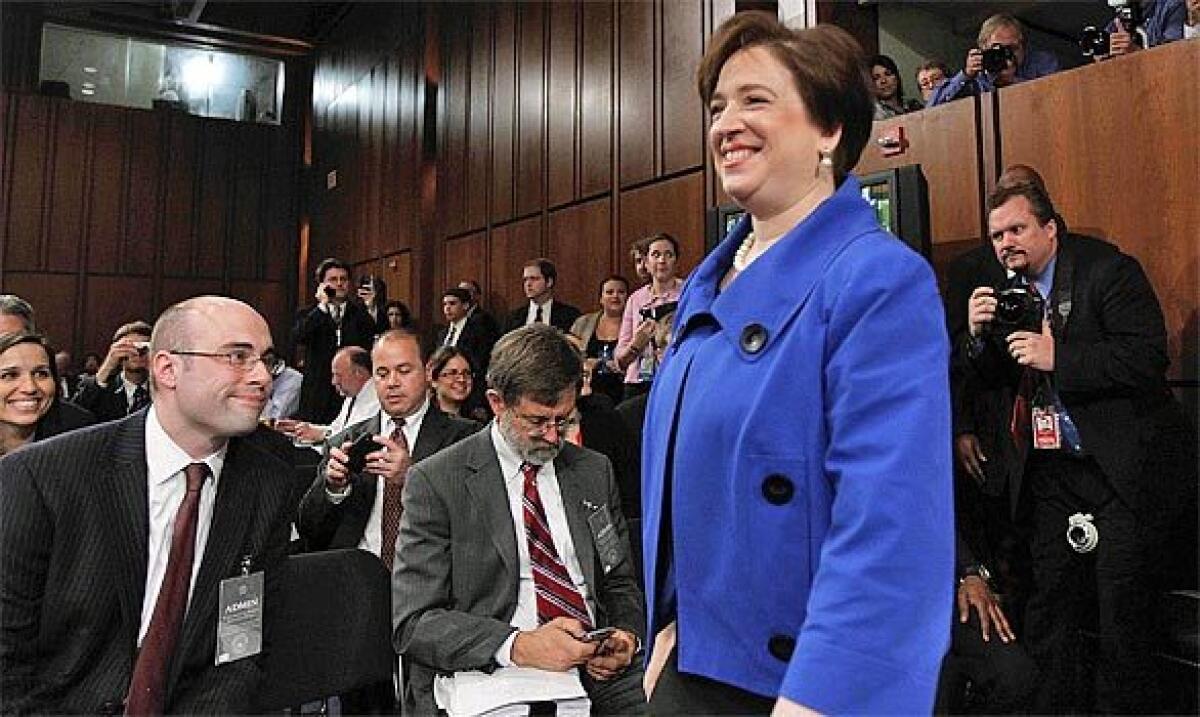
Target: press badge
x=1046, y=432
x=604, y=535
x=240, y=617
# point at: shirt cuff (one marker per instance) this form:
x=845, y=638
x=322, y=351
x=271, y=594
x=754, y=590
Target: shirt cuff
x=503, y=654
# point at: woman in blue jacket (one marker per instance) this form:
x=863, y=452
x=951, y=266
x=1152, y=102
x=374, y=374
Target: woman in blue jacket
x=797, y=465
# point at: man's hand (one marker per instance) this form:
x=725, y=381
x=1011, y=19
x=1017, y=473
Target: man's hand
x=970, y=456
x=120, y=350
x=974, y=63
x=322, y=297
x=300, y=430
x=554, y=646
x=1193, y=13
x=664, y=643
x=337, y=476
x=390, y=462
x=1120, y=41
x=981, y=309
x=612, y=656
x=644, y=334
x=973, y=592
x=1033, y=350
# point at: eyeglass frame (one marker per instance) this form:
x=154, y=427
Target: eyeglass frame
x=246, y=365
x=541, y=424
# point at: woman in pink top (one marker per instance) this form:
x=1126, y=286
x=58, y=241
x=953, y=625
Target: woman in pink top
x=646, y=306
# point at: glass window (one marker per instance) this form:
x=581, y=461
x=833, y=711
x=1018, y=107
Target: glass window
x=119, y=70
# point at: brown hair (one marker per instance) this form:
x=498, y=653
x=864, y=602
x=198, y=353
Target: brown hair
x=1039, y=200
x=827, y=64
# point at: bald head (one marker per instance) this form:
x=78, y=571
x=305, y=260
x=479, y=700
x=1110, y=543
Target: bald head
x=181, y=324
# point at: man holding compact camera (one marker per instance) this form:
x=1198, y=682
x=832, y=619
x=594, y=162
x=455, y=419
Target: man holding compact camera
x=121, y=385
x=1076, y=338
x=1002, y=58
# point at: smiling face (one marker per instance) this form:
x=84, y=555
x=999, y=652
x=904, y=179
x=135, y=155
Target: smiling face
x=764, y=145
x=454, y=382
x=612, y=297
x=26, y=384
x=885, y=82
x=204, y=398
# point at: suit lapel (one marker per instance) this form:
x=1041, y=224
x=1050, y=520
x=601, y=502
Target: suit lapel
x=1064, y=285
x=574, y=498
x=429, y=439
x=121, y=492
x=485, y=485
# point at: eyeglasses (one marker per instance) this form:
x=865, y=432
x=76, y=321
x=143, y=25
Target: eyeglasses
x=241, y=359
x=453, y=373
x=541, y=424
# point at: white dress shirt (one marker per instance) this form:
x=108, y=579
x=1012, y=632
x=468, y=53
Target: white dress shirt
x=285, y=394
x=166, y=485
x=525, y=617
x=355, y=409
x=532, y=313
x=372, y=538
x=454, y=331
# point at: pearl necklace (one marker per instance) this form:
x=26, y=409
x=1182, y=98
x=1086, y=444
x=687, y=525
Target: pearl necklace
x=740, y=262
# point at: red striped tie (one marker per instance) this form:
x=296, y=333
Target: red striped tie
x=557, y=595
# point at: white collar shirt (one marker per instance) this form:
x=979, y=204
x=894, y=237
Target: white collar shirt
x=531, y=314
x=372, y=537
x=525, y=616
x=166, y=486
x=454, y=331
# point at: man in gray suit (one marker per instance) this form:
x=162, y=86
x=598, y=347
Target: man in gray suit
x=513, y=546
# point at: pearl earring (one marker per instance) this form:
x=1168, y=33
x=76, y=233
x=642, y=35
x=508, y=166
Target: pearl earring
x=826, y=159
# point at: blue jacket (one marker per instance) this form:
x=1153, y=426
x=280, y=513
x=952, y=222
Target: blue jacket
x=811, y=505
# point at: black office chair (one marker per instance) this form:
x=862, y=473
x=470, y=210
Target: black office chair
x=331, y=631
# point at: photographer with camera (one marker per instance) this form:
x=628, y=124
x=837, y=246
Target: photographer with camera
x=1140, y=24
x=120, y=386
x=1075, y=338
x=645, y=308
x=1002, y=58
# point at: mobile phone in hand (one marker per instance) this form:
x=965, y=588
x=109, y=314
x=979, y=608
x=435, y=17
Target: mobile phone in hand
x=599, y=635
x=358, y=451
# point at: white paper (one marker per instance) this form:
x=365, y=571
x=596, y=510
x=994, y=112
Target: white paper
x=508, y=691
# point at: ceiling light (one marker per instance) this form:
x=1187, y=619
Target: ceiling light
x=89, y=85
x=90, y=70
x=88, y=92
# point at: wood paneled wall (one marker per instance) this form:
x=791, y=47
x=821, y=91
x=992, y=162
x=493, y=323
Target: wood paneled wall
x=567, y=130
x=368, y=102
x=110, y=214
x=1117, y=144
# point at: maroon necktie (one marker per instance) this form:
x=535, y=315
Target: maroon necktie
x=148, y=687
x=392, y=507
x=557, y=595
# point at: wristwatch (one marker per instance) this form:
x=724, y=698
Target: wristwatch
x=977, y=570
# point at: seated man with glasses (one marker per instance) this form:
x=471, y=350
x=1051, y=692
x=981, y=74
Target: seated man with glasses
x=104, y=531
x=513, y=550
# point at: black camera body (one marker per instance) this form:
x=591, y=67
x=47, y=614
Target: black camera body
x=659, y=311
x=1018, y=308
x=1094, y=41
x=997, y=58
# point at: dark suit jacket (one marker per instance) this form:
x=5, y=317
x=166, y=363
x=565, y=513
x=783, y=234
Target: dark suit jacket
x=561, y=317
x=475, y=341
x=73, y=532
x=326, y=526
x=454, y=585
x=1110, y=350
x=107, y=403
x=63, y=416
x=315, y=330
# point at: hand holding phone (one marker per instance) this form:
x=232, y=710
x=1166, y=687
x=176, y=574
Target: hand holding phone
x=598, y=635
x=363, y=446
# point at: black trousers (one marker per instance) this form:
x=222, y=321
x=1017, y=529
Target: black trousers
x=678, y=693
x=1064, y=581
x=1001, y=676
